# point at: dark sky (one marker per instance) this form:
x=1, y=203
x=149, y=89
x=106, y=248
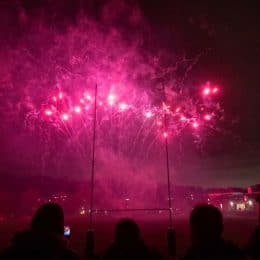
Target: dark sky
x=227, y=33
x=230, y=29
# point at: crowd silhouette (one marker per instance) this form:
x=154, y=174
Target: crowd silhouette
x=206, y=227
x=45, y=239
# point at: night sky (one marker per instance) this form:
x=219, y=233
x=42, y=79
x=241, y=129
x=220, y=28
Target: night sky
x=223, y=34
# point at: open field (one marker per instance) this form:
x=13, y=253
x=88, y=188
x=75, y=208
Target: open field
x=153, y=227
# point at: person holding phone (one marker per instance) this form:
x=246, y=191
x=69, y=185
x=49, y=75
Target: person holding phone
x=45, y=238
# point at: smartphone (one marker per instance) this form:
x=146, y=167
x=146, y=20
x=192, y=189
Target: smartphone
x=66, y=231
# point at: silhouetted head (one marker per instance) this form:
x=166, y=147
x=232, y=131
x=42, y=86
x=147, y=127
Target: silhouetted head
x=127, y=231
x=48, y=218
x=206, y=223
x=253, y=248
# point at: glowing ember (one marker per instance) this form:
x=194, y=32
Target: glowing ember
x=178, y=109
x=207, y=117
x=159, y=123
x=60, y=95
x=215, y=90
x=48, y=112
x=195, y=125
x=183, y=118
x=87, y=96
x=123, y=106
x=111, y=99
x=148, y=114
x=166, y=107
x=82, y=101
x=54, y=98
x=100, y=103
x=206, y=91
x=65, y=117
x=165, y=134
x=77, y=109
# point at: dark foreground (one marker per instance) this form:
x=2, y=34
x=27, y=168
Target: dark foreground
x=153, y=227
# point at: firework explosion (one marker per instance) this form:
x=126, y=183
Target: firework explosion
x=49, y=81
x=116, y=110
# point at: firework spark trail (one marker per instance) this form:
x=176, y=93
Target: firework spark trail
x=188, y=113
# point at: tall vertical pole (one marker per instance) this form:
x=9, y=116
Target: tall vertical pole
x=93, y=160
x=90, y=233
x=168, y=183
x=171, y=235
x=167, y=164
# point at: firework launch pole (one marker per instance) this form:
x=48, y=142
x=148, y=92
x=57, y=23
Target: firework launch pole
x=171, y=235
x=90, y=232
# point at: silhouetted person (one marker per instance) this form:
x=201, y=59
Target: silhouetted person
x=206, y=226
x=253, y=247
x=44, y=239
x=128, y=244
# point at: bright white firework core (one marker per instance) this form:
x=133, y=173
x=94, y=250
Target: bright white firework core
x=165, y=134
x=207, y=117
x=206, y=91
x=77, y=109
x=123, y=106
x=148, y=114
x=65, y=117
x=111, y=99
x=48, y=112
x=195, y=125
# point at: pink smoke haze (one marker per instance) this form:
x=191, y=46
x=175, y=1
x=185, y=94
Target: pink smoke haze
x=141, y=99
